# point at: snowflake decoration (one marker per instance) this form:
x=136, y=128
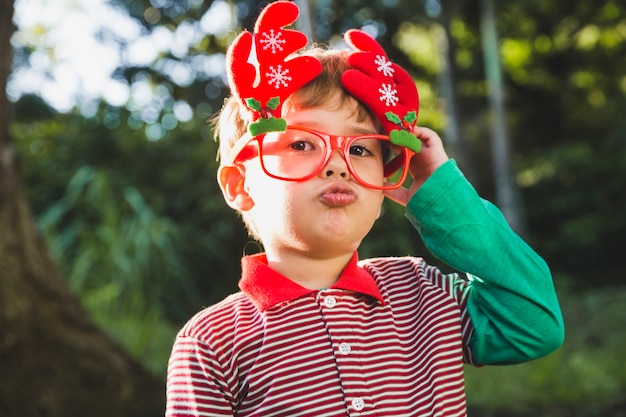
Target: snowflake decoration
x=388, y=94
x=272, y=40
x=384, y=65
x=278, y=76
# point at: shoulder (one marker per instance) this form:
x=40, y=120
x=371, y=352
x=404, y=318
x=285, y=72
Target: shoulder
x=392, y=272
x=412, y=274
x=395, y=268
x=221, y=319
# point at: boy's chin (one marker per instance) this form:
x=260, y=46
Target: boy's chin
x=329, y=246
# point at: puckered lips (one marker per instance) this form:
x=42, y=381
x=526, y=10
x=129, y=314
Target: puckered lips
x=338, y=195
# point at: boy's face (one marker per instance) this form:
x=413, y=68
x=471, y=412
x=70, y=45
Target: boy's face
x=327, y=215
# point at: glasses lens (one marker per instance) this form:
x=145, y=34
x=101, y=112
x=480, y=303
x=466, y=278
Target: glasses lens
x=297, y=154
x=292, y=154
x=395, y=164
x=376, y=160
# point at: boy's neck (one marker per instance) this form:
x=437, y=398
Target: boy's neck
x=311, y=273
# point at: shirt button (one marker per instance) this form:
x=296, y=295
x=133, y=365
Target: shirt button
x=358, y=404
x=330, y=301
x=344, y=348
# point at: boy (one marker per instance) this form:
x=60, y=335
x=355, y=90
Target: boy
x=314, y=331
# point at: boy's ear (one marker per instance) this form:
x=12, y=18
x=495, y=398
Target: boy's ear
x=232, y=180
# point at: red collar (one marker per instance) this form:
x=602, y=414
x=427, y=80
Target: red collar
x=266, y=287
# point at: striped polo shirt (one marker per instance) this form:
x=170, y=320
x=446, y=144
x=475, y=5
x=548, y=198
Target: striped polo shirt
x=388, y=339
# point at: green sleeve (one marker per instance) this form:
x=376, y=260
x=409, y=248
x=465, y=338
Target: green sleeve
x=511, y=300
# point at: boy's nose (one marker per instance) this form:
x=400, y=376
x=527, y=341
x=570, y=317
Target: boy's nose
x=336, y=165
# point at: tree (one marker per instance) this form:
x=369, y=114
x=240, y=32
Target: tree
x=506, y=192
x=54, y=360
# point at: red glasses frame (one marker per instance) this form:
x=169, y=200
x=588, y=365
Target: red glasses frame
x=243, y=151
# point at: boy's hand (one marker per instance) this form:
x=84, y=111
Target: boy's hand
x=423, y=164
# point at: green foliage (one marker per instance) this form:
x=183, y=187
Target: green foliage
x=565, y=104
x=589, y=369
x=579, y=209
x=124, y=259
x=138, y=227
x=574, y=162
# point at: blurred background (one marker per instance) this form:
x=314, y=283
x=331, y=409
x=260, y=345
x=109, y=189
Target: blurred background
x=107, y=150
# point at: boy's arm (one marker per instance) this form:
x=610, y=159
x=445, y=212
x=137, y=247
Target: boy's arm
x=513, y=305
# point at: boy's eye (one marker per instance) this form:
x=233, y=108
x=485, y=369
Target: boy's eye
x=359, y=150
x=366, y=147
x=301, y=145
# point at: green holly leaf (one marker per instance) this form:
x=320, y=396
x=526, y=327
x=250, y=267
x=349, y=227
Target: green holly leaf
x=410, y=117
x=253, y=104
x=393, y=118
x=406, y=139
x=273, y=103
x=273, y=124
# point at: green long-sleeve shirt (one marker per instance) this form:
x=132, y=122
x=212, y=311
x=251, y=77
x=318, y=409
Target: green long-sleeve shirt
x=512, y=302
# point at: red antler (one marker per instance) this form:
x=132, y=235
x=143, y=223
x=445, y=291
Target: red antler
x=263, y=89
x=385, y=87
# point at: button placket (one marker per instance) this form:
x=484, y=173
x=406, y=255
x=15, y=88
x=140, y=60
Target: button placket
x=346, y=356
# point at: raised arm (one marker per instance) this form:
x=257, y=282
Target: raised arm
x=512, y=302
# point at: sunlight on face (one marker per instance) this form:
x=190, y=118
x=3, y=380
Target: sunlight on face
x=328, y=213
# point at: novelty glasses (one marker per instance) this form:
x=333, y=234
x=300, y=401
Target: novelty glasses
x=300, y=153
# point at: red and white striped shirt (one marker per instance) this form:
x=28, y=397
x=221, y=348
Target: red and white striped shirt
x=388, y=339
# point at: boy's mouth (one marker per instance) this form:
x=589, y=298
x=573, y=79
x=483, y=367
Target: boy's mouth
x=337, y=197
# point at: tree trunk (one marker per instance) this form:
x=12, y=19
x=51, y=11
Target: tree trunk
x=454, y=142
x=507, y=194
x=53, y=360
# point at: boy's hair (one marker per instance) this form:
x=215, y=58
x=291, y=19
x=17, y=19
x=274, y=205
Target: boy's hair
x=231, y=123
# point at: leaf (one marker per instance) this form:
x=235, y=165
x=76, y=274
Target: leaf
x=406, y=139
x=273, y=103
x=273, y=124
x=410, y=117
x=392, y=117
x=253, y=104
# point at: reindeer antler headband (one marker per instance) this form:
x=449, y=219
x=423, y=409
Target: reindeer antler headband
x=384, y=87
x=263, y=91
